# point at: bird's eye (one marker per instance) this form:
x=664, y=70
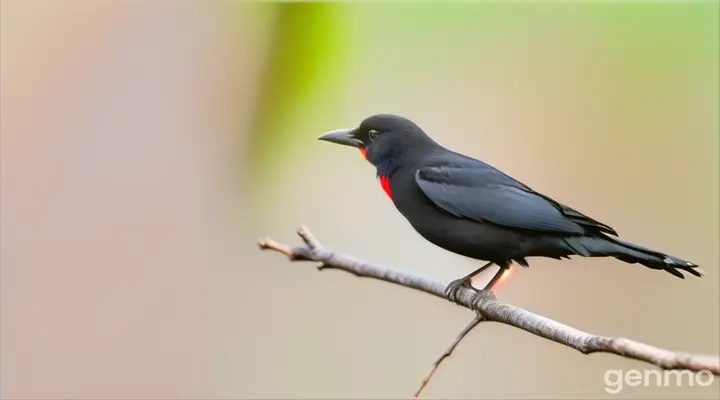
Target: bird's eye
x=372, y=134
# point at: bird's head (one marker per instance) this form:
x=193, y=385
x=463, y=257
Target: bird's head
x=382, y=137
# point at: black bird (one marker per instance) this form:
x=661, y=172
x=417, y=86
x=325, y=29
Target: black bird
x=470, y=208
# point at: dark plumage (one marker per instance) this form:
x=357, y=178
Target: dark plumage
x=470, y=208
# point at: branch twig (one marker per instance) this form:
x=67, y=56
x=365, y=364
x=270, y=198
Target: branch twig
x=478, y=319
x=490, y=308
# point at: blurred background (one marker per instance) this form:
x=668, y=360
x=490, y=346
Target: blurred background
x=147, y=144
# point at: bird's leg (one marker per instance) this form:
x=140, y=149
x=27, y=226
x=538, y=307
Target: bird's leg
x=488, y=288
x=465, y=281
x=495, y=279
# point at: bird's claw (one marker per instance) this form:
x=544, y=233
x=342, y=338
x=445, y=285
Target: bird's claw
x=454, y=286
x=480, y=296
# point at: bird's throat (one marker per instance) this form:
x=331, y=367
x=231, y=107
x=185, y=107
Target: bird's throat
x=385, y=183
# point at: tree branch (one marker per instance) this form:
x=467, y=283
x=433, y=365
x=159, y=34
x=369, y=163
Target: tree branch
x=490, y=308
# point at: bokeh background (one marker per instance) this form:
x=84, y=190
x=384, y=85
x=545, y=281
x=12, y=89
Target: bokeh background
x=146, y=145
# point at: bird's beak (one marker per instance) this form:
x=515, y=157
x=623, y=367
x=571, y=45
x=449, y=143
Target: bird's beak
x=345, y=137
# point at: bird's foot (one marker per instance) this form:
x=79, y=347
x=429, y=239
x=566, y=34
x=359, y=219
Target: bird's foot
x=454, y=286
x=481, y=296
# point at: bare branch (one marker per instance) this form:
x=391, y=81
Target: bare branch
x=269, y=244
x=308, y=238
x=489, y=307
x=478, y=319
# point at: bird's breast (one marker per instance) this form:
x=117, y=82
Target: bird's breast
x=406, y=195
x=385, y=184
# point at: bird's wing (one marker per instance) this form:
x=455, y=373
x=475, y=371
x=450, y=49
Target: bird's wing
x=478, y=193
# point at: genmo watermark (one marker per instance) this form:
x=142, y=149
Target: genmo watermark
x=616, y=380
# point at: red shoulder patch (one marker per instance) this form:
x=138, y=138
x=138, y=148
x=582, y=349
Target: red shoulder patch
x=385, y=183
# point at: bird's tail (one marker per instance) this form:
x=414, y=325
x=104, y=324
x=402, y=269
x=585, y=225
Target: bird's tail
x=604, y=246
